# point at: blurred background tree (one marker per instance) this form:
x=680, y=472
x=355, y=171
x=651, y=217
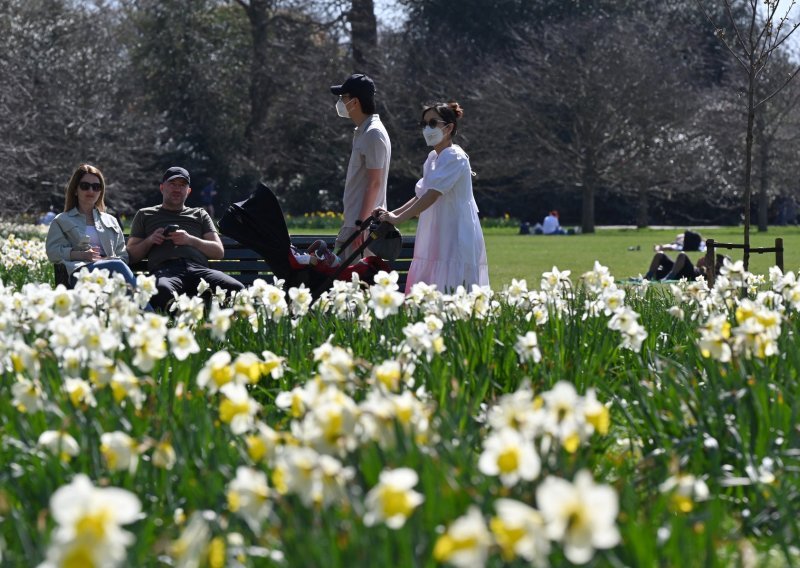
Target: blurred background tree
x=612, y=111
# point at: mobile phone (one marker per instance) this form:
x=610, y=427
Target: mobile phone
x=170, y=229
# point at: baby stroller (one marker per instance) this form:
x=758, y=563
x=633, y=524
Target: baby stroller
x=258, y=223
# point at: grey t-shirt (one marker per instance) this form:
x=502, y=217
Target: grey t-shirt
x=193, y=220
x=371, y=150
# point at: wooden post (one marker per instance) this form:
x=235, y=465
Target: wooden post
x=711, y=263
x=779, y=253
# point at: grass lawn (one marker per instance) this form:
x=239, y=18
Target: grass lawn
x=527, y=256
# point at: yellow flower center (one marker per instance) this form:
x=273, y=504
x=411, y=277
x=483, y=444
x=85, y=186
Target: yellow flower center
x=600, y=419
x=79, y=556
x=508, y=460
x=389, y=377
x=506, y=537
x=333, y=428
x=221, y=375
x=576, y=519
x=447, y=546
x=395, y=502
x=94, y=524
x=77, y=394
x=228, y=410
x=118, y=391
x=216, y=553
x=112, y=457
x=250, y=370
x=256, y=448
x=278, y=478
x=682, y=503
x=234, y=501
x=268, y=366
x=572, y=443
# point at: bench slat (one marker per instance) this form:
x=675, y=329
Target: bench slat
x=246, y=265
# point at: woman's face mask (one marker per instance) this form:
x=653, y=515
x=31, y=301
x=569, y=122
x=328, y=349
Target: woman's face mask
x=432, y=135
x=431, y=131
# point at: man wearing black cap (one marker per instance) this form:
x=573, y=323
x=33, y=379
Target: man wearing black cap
x=368, y=170
x=177, y=242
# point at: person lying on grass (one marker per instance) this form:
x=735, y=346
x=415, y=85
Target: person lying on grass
x=663, y=268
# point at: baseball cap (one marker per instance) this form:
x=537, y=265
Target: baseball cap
x=175, y=172
x=355, y=85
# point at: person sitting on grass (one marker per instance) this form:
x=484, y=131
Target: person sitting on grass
x=662, y=268
x=551, y=225
x=687, y=241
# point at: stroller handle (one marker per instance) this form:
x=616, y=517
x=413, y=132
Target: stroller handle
x=362, y=224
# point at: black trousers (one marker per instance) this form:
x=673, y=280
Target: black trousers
x=684, y=270
x=183, y=276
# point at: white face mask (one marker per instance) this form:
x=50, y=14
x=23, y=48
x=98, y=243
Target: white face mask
x=432, y=135
x=341, y=109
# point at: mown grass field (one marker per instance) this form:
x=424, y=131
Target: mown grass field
x=527, y=256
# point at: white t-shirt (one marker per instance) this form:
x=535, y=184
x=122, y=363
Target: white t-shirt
x=94, y=239
x=371, y=150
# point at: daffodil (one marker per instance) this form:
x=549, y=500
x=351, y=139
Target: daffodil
x=580, y=515
x=216, y=373
x=88, y=525
x=119, y=450
x=519, y=532
x=466, y=542
x=237, y=408
x=164, y=456
x=527, y=347
x=248, y=496
x=182, y=342
x=509, y=455
x=393, y=500
x=59, y=443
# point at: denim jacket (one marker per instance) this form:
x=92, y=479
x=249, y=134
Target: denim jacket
x=69, y=228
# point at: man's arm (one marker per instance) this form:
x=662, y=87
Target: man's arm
x=138, y=248
x=374, y=182
x=210, y=245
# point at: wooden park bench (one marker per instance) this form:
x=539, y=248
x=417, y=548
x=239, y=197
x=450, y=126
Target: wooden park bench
x=712, y=245
x=246, y=265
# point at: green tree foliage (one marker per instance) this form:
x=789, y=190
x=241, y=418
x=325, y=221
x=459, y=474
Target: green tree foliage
x=567, y=104
x=66, y=100
x=194, y=59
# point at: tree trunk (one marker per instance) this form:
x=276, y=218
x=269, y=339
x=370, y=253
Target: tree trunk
x=589, y=180
x=364, y=35
x=258, y=12
x=763, y=173
x=748, y=164
x=642, y=211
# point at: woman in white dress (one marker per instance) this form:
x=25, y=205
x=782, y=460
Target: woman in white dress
x=449, y=250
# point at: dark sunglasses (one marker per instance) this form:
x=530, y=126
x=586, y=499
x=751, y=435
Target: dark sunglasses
x=86, y=186
x=433, y=123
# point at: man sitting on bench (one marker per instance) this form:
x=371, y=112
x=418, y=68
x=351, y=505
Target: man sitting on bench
x=177, y=241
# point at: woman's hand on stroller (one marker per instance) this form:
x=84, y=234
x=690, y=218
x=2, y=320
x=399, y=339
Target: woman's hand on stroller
x=389, y=218
x=382, y=214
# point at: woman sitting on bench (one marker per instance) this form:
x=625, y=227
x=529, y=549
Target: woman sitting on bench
x=84, y=235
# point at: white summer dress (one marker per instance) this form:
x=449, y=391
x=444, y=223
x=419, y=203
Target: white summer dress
x=449, y=250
